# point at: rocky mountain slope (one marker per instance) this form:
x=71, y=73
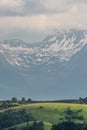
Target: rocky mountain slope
x=56, y=65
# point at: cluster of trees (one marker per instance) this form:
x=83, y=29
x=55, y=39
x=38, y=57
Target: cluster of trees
x=14, y=102
x=69, y=126
x=68, y=122
x=13, y=117
x=23, y=100
x=7, y=104
x=83, y=100
x=14, y=99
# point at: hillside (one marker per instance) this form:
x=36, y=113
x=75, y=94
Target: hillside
x=50, y=113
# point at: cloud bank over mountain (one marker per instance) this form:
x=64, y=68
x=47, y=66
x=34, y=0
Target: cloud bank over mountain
x=33, y=20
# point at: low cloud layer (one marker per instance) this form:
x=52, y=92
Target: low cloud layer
x=28, y=19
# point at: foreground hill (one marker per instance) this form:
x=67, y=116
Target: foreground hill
x=50, y=113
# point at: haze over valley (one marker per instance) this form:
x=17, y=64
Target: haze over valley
x=54, y=68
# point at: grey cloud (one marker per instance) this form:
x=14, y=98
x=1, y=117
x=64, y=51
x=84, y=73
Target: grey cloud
x=81, y=1
x=56, y=14
x=7, y=12
x=32, y=7
x=39, y=7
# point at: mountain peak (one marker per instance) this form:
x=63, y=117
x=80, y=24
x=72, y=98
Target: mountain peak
x=14, y=43
x=58, y=47
x=60, y=34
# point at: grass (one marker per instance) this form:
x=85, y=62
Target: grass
x=50, y=113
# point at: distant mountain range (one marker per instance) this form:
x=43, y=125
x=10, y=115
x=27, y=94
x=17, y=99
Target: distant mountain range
x=55, y=68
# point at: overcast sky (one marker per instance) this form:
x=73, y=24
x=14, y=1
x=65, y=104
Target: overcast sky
x=32, y=20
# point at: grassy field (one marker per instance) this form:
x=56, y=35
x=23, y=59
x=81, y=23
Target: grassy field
x=51, y=113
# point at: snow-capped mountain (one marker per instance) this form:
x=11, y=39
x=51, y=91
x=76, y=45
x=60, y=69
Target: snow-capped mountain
x=53, y=68
x=59, y=47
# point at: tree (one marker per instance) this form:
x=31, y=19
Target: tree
x=14, y=99
x=23, y=100
x=29, y=100
x=38, y=126
x=71, y=115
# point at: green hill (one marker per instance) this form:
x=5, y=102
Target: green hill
x=50, y=113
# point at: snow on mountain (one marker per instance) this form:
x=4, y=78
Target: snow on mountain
x=59, y=47
x=54, y=68
x=66, y=44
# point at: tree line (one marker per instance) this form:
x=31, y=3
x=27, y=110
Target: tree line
x=14, y=99
x=14, y=102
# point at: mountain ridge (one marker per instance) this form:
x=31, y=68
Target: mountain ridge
x=55, y=48
x=46, y=70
